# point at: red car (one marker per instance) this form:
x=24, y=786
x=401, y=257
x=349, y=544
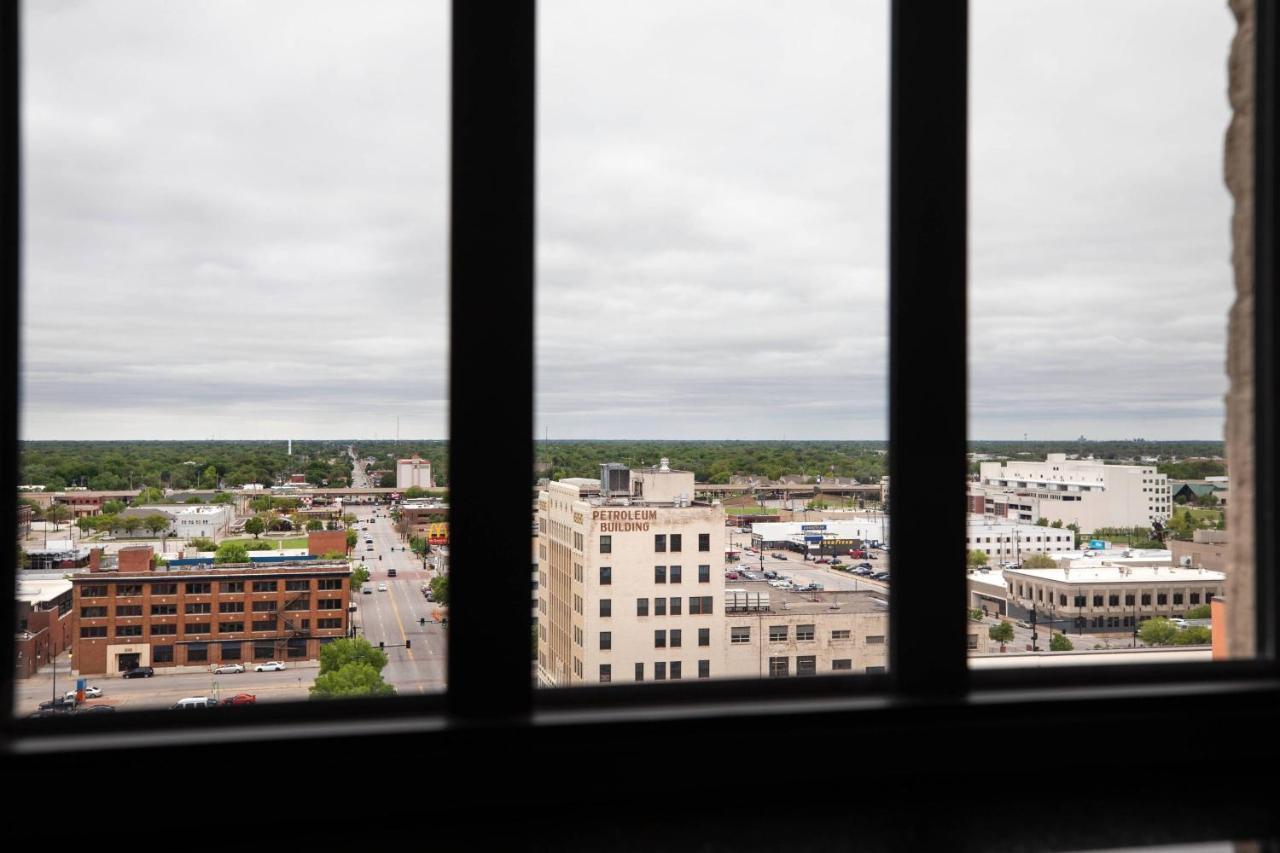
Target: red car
x=731, y=576
x=241, y=699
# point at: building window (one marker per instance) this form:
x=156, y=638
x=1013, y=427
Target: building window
x=329, y=583
x=639, y=672
x=124, y=610
x=675, y=574
x=1177, y=598
x=606, y=672
x=675, y=670
x=875, y=670
x=659, y=671
x=659, y=607
x=606, y=640
x=87, y=632
x=266, y=586
x=1146, y=599
x=675, y=605
x=606, y=544
x=197, y=653
x=230, y=627
x=297, y=585
x=199, y=607
x=606, y=575
x=804, y=632
x=807, y=665
x=704, y=669
x=322, y=604
x=642, y=607
x=297, y=647
x=164, y=589
x=843, y=634
x=164, y=609
x=231, y=586
x=129, y=589
x=196, y=628
x=660, y=639
x=198, y=588
x=704, y=541
x=264, y=625
x=659, y=542
x=777, y=633
x=92, y=612
x=842, y=665
x=161, y=629
x=327, y=624
x=1113, y=599
x=675, y=541
x=1097, y=601
x=704, y=574
x=704, y=636
x=230, y=651
x=875, y=640
x=675, y=638
x=1162, y=598
x=1062, y=600
x=1195, y=598
x=230, y=606
x=1129, y=599
x=606, y=607
x=265, y=607
x=1080, y=601
x=740, y=635
x=162, y=654
x=779, y=667
x=659, y=574
x=93, y=592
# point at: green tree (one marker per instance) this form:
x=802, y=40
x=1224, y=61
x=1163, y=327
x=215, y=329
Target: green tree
x=106, y=522
x=1157, y=632
x=1195, y=635
x=355, y=679
x=1060, y=643
x=87, y=523
x=1057, y=524
x=262, y=503
x=209, y=478
x=223, y=498
x=193, y=499
x=255, y=526
x=1042, y=522
x=975, y=613
x=1002, y=633
x=131, y=524
x=359, y=577
x=259, y=545
x=334, y=656
x=231, y=552
x=415, y=492
x=1039, y=561
x=203, y=543
x=352, y=539
x=440, y=590
x=333, y=555
x=155, y=522
x=1203, y=611
x=57, y=514
x=112, y=507
x=150, y=495
x=977, y=558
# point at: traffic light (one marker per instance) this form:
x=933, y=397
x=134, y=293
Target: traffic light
x=407, y=643
x=422, y=620
x=382, y=644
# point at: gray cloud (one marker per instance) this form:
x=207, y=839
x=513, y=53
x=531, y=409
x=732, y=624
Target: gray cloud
x=237, y=217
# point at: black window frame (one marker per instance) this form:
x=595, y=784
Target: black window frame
x=492, y=250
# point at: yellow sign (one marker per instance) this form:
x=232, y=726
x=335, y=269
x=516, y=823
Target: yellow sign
x=577, y=518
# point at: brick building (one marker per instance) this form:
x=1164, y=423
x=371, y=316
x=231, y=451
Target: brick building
x=206, y=615
x=46, y=623
x=321, y=542
x=430, y=522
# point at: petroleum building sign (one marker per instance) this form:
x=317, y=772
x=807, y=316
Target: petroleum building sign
x=624, y=520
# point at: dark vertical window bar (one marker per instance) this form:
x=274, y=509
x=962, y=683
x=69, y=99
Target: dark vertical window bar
x=928, y=162
x=1266, y=188
x=11, y=196
x=491, y=357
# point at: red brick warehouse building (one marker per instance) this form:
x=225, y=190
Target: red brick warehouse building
x=203, y=615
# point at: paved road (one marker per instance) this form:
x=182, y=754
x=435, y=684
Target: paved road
x=392, y=617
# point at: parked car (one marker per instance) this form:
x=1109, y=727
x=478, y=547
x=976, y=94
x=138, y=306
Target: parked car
x=241, y=699
x=228, y=668
x=880, y=576
x=823, y=560
x=89, y=693
x=62, y=704
x=95, y=709
x=770, y=574
x=139, y=672
x=382, y=587
x=731, y=576
x=778, y=556
x=270, y=666
x=191, y=703
x=863, y=571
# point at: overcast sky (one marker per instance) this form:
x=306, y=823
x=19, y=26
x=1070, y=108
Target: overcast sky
x=236, y=219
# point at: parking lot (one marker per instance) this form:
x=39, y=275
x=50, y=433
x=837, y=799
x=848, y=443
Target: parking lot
x=789, y=570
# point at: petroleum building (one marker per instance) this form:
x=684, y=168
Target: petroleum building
x=630, y=579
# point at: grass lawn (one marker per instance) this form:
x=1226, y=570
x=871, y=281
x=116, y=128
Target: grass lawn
x=751, y=510
x=277, y=544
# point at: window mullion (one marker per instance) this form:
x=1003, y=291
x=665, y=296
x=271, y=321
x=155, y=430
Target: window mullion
x=927, y=355
x=491, y=358
x=10, y=88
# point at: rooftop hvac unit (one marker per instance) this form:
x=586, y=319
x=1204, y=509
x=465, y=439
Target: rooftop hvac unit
x=615, y=479
x=1185, y=561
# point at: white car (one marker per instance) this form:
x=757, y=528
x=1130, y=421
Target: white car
x=228, y=668
x=269, y=666
x=382, y=587
x=89, y=693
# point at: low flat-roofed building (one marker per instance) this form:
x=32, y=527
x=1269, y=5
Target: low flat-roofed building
x=1005, y=540
x=1206, y=550
x=1107, y=597
x=56, y=555
x=201, y=616
x=827, y=537
x=773, y=633
x=46, y=623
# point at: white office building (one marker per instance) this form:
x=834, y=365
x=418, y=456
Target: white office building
x=1084, y=492
x=1007, y=541
x=414, y=472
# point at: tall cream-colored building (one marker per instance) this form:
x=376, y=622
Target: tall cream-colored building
x=414, y=472
x=630, y=579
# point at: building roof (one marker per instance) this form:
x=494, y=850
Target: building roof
x=1120, y=574
x=255, y=570
x=833, y=602
x=38, y=591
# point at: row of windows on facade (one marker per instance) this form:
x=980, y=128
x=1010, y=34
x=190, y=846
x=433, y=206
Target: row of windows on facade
x=804, y=633
x=1113, y=599
x=699, y=605
x=204, y=588
x=661, y=638
x=199, y=652
x=100, y=611
x=661, y=542
x=89, y=632
x=979, y=539
x=780, y=667
x=662, y=670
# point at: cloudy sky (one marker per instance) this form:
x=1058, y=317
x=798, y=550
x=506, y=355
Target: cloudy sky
x=236, y=219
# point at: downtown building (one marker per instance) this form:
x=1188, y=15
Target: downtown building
x=1084, y=492
x=414, y=472
x=202, y=616
x=630, y=579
